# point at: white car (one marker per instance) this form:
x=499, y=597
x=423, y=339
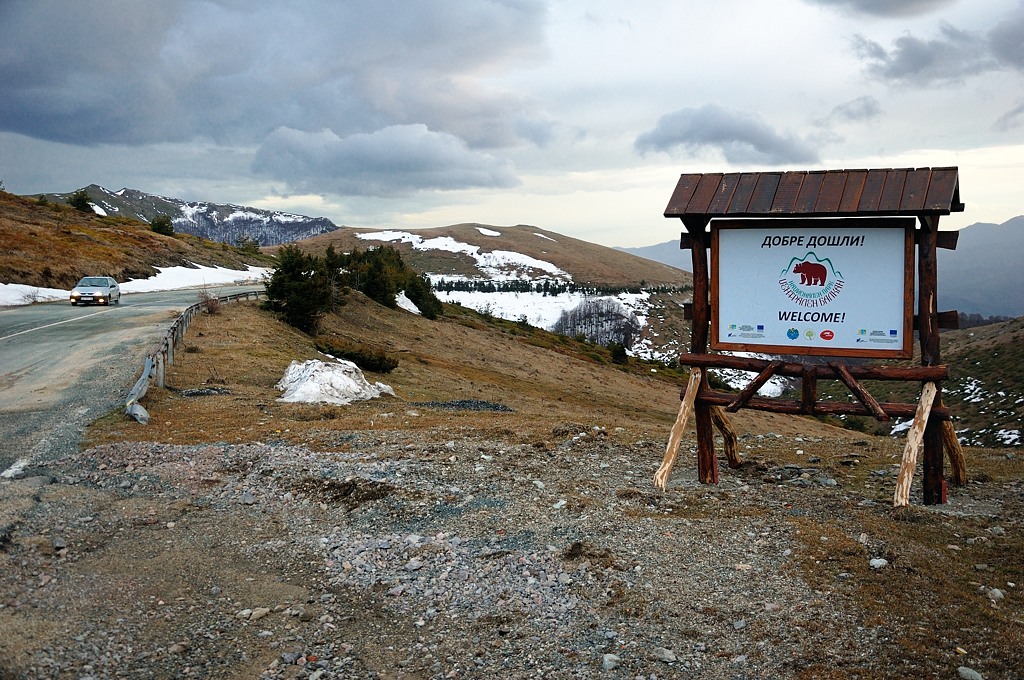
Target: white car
x=101, y=290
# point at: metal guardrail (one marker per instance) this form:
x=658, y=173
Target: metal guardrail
x=157, y=362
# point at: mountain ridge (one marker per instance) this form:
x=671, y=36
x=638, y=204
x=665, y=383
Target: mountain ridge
x=221, y=222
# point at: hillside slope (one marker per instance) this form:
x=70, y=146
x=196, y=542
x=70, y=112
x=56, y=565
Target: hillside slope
x=52, y=245
x=588, y=263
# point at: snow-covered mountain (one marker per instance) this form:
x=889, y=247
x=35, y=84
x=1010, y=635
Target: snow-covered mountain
x=221, y=222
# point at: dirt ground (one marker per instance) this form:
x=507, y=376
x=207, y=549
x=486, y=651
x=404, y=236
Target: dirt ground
x=229, y=536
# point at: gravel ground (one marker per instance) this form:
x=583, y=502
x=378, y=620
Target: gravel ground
x=443, y=557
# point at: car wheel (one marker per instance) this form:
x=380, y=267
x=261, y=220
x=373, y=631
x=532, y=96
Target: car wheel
x=74, y=304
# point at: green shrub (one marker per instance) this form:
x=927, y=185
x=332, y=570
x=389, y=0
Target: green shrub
x=80, y=201
x=247, y=244
x=300, y=290
x=619, y=355
x=162, y=224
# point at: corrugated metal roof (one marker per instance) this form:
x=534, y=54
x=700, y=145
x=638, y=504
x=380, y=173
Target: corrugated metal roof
x=818, y=193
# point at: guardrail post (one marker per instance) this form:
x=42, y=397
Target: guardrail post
x=159, y=370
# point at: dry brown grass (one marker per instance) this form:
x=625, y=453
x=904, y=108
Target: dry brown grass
x=549, y=382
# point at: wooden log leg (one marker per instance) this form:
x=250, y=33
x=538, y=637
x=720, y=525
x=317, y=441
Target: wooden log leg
x=707, y=466
x=721, y=421
x=957, y=461
x=901, y=497
x=933, y=482
x=676, y=435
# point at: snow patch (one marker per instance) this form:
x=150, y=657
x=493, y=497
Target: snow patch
x=167, y=278
x=317, y=382
x=405, y=303
x=739, y=379
x=488, y=232
x=1008, y=437
x=174, y=278
x=498, y=265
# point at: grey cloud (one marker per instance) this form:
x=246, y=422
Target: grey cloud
x=117, y=71
x=741, y=137
x=854, y=111
x=951, y=57
x=396, y=160
x=1007, y=40
x=1011, y=120
x=885, y=8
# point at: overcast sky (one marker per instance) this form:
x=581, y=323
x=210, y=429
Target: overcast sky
x=571, y=115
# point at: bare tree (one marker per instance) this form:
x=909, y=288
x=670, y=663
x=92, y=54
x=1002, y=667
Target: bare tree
x=600, y=320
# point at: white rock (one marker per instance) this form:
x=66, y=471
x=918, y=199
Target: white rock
x=878, y=563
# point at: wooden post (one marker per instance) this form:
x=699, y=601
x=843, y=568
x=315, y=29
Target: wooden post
x=707, y=466
x=901, y=497
x=672, y=450
x=928, y=329
x=721, y=421
x=957, y=461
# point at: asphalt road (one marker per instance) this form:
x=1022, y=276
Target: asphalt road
x=61, y=367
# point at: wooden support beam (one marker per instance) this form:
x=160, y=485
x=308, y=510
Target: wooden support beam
x=858, y=391
x=957, y=461
x=822, y=372
x=721, y=421
x=808, y=390
x=949, y=320
x=676, y=434
x=707, y=464
x=821, y=408
x=901, y=497
x=757, y=383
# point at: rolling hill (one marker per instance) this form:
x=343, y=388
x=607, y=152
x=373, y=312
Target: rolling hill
x=431, y=250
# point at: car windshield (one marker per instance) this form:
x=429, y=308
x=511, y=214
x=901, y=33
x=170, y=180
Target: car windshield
x=93, y=281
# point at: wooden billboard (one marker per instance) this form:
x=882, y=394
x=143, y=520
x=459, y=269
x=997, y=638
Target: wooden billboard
x=748, y=296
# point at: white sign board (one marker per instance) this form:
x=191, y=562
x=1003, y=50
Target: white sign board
x=818, y=287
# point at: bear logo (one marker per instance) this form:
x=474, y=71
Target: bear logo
x=811, y=273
